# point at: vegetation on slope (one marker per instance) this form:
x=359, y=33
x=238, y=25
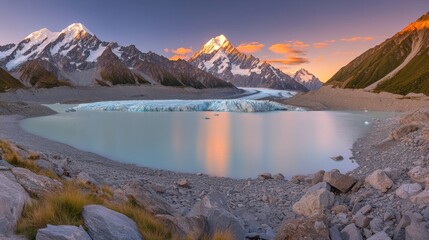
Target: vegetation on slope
x=7, y=82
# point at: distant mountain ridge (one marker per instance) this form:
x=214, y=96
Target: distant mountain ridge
x=398, y=65
x=307, y=79
x=221, y=59
x=76, y=57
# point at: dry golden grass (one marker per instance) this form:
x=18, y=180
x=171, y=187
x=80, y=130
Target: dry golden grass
x=222, y=235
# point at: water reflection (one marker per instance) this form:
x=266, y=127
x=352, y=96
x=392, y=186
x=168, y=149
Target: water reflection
x=237, y=145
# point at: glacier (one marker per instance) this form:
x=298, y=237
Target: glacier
x=234, y=105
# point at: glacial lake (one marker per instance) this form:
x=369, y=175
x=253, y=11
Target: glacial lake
x=237, y=145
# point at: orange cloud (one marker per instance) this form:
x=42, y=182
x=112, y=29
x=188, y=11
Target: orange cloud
x=357, y=39
x=298, y=44
x=291, y=60
x=182, y=51
x=166, y=50
x=320, y=44
x=250, y=47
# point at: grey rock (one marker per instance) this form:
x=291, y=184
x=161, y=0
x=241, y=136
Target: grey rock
x=265, y=176
x=44, y=164
x=320, y=185
x=64, y=232
x=12, y=200
x=399, y=232
x=185, y=227
x=104, y=223
x=351, y=232
x=334, y=234
x=37, y=185
x=365, y=209
x=279, y=177
x=379, y=180
x=84, y=178
x=184, y=183
x=421, y=198
x=408, y=190
x=314, y=203
x=425, y=214
x=376, y=224
x=306, y=228
x=215, y=208
x=316, y=177
x=419, y=174
x=337, y=158
x=416, y=231
x=361, y=220
x=6, y=164
x=338, y=180
x=380, y=236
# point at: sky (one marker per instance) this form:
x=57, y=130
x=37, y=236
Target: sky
x=319, y=35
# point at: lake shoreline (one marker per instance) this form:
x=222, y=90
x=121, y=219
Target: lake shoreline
x=260, y=205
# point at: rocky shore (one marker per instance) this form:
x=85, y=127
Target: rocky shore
x=385, y=197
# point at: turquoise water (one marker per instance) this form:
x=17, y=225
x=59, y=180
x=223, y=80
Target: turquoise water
x=237, y=145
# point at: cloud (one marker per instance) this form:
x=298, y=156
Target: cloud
x=180, y=53
x=291, y=60
x=357, y=39
x=250, y=47
x=293, y=52
x=320, y=44
x=166, y=50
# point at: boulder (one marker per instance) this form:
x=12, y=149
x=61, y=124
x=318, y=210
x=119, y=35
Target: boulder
x=376, y=225
x=6, y=164
x=320, y=185
x=408, y=190
x=184, y=183
x=145, y=197
x=64, y=232
x=265, y=176
x=379, y=180
x=12, y=200
x=421, y=198
x=307, y=228
x=351, y=232
x=380, y=236
x=44, y=164
x=340, y=209
x=185, y=227
x=419, y=174
x=338, y=180
x=316, y=177
x=36, y=185
x=215, y=208
x=365, y=209
x=334, y=234
x=104, y=223
x=416, y=231
x=399, y=231
x=314, y=203
x=279, y=177
x=361, y=220
x=84, y=178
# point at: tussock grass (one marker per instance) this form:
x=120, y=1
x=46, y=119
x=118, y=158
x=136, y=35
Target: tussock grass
x=222, y=235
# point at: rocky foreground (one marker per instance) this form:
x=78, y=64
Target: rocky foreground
x=386, y=197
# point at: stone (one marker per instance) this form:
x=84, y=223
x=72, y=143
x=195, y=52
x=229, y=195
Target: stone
x=36, y=185
x=425, y=214
x=408, y=190
x=44, y=164
x=316, y=177
x=379, y=180
x=185, y=227
x=380, y=236
x=416, y=231
x=376, y=225
x=104, y=223
x=419, y=174
x=361, y=220
x=337, y=158
x=338, y=180
x=84, y=178
x=144, y=196
x=340, y=209
x=158, y=188
x=314, y=203
x=306, y=228
x=365, y=209
x=399, y=232
x=63, y=232
x=388, y=215
x=334, y=234
x=6, y=164
x=421, y=198
x=265, y=176
x=214, y=207
x=320, y=185
x=13, y=197
x=279, y=177
x=183, y=183
x=351, y=232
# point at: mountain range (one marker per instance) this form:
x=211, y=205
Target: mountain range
x=76, y=57
x=221, y=59
x=398, y=65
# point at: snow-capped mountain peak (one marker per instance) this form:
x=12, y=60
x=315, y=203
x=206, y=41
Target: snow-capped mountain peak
x=75, y=29
x=42, y=34
x=307, y=79
x=215, y=44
